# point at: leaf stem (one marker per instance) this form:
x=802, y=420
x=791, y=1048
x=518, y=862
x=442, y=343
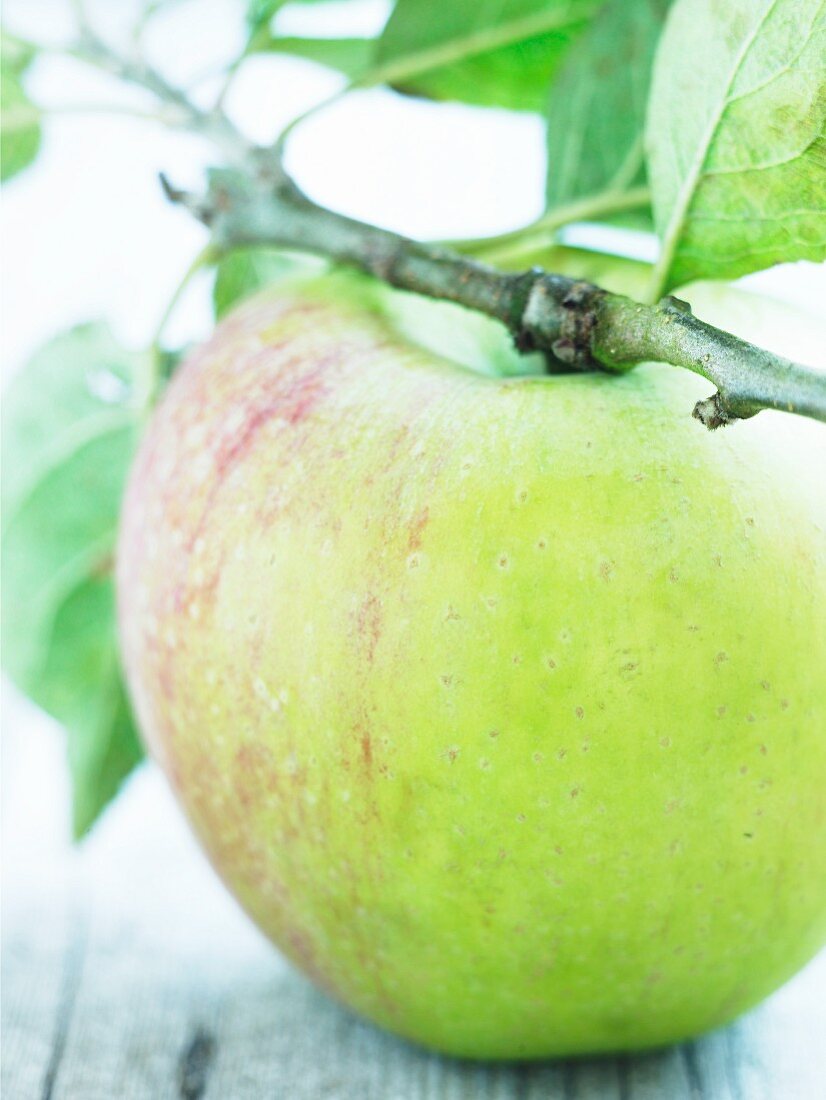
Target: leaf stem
x=316, y=108
x=506, y=246
x=154, y=373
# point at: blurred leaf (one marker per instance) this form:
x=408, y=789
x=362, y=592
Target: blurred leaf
x=81, y=685
x=20, y=132
x=16, y=54
x=487, y=66
x=596, y=112
x=351, y=56
x=736, y=136
x=69, y=432
x=248, y=270
x=169, y=359
x=260, y=13
x=514, y=43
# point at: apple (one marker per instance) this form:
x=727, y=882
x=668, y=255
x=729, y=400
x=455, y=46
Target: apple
x=496, y=699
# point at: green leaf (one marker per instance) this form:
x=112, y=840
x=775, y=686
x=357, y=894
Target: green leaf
x=515, y=76
x=81, y=684
x=248, y=270
x=735, y=135
x=500, y=35
x=20, y=132
x=597, y=104
x=351, y=56
x=16, y=54
x=69, y=431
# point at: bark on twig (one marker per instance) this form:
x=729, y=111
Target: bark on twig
x=576, y=324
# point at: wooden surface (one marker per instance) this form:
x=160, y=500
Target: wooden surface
x=128, y=973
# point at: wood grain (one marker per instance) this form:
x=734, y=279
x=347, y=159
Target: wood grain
x=129, y=973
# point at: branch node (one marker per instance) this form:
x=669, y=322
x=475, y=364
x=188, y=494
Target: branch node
x=670, y=304
x=199, y=208
x=712, y=413
x=578, y=295
x=577, y=326
x=561, y=315
x=564, y=351
x=171, y=192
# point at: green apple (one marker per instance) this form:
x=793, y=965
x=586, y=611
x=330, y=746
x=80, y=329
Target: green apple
x=497, y=700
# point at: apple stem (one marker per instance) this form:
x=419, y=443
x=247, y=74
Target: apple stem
x=577, y=325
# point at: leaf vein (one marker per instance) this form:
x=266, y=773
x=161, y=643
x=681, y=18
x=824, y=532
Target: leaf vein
x=680, y=212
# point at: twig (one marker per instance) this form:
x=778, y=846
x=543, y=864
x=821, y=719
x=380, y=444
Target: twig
x=210, y=124
x=578, y=325
x=26, y=114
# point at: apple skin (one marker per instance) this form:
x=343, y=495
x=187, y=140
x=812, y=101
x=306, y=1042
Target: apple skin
x=497, y=702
